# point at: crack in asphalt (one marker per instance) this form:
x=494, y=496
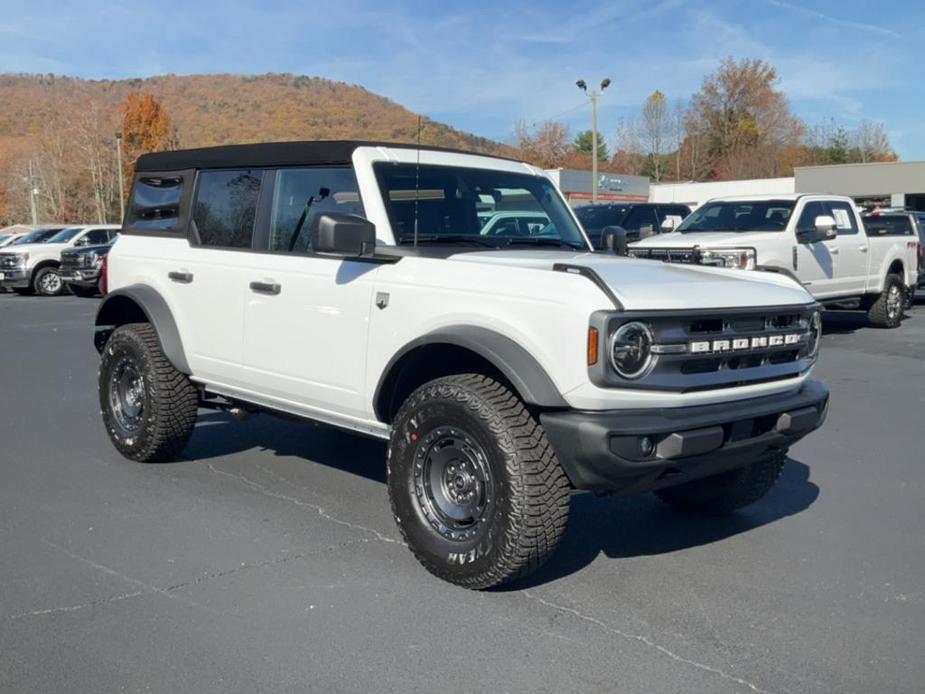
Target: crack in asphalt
x=644, y=640
x=168, y=591
x=261, y=489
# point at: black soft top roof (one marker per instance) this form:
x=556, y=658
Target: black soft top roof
x=269, y=154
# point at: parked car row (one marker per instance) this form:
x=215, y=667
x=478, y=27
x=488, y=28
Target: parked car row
x=50, y=259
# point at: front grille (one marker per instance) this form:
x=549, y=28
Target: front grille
x=720, y=349
x=686, y=256
x=77, y=261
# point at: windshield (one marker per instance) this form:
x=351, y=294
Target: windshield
x=765, y=215
x=65, y=235
x=600, y=216
x=483, y=207
x=37, y=236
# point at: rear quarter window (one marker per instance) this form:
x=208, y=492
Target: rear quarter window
x=155, y=203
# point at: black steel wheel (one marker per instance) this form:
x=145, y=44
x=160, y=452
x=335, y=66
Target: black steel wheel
x=149, y=408
x=475, y=487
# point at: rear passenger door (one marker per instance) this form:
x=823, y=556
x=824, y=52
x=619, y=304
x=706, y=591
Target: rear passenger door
x=208, y=279
x=306, y=315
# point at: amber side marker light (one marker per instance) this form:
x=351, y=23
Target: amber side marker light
x=592, y=346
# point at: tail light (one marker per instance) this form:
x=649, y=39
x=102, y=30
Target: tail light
x=104, y=275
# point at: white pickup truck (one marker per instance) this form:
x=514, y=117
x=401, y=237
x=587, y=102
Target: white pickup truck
x=817, y=240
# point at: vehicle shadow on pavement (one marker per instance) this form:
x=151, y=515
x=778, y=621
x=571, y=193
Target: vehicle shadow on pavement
x=844, y=322
x=643, y=526
x=218, y=434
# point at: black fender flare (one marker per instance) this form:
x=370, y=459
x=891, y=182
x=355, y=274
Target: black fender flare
x=517, y=365
x=116, y=310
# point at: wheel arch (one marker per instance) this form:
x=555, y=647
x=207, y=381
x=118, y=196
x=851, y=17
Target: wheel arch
x=463, y=349
x=139, y=303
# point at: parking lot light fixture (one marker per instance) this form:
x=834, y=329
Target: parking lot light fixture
x=593, y=94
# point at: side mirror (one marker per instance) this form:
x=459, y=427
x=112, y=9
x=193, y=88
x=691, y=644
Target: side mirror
x=83, y=242
x=613, y=239
x=668, y=225
x=826, y=227
x=343, y=234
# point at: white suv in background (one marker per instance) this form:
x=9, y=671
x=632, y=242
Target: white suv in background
x=32, y=263
x=349, y=283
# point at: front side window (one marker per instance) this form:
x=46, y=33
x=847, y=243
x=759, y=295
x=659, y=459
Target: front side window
x=640, y=217
x=811, y=210
x=226, y=206
x=600, y=216
x=300, y=195
x=764, y=215
x=96, y=237
x=843, y=215
x=447, y=204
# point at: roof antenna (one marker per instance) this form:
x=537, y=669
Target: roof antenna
x=417, y=184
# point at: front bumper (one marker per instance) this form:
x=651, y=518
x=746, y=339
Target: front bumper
x=82, y=278
x=14, y=278
x=603, y=451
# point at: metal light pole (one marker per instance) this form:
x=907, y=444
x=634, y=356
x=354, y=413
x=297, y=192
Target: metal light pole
x=593, y=94
x=121, y=176
x=33, y=191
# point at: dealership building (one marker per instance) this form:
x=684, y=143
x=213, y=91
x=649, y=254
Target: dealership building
x=577, y=186
x=892, y=184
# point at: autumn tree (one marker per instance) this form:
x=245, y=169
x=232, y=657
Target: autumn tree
x=146, y=127
x=746, y=122
x=546, y=145
x=872, y=143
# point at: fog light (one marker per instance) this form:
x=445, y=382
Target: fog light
x=646, y=446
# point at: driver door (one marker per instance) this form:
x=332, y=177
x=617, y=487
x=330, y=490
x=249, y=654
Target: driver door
x=817, y=263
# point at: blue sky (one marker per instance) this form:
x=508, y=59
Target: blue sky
x=481, y=66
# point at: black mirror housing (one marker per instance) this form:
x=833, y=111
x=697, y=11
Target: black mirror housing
x=343, y=234
x=613, y=239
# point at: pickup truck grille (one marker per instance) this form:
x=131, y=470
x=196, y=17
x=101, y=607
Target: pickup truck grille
x=687, y=256
x=75, y=261
x=720, y=349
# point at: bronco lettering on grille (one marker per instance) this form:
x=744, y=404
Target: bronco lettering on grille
x=744, y=343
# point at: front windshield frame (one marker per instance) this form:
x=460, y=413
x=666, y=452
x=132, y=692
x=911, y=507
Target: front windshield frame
x=696, y=221
x=37, y=236
x=65, y=235
x=546, y=201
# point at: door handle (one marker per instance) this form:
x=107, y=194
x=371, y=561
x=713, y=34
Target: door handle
x=182, y=277
x=265, y=287
x=863, y=249
x=833, y=251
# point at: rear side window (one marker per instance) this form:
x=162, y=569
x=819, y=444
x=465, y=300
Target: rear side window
x=156, y=202
x=595, y=217
x=226, y=206
x=300, y=195
x=896, y=225
x=640, y=217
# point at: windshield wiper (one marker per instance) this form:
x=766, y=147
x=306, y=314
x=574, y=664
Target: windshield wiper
x=447, y=238
x=540, y=241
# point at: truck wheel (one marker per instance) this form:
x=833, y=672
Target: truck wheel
x=887, y=310
x=728, y=491
x=475, y=487
x=148, y=407
x=47, y=281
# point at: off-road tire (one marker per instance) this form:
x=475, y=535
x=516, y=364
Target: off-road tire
x=727, y=492
x=169, y=399
x=530, y=507
x=39, y=279
x=82, y=292
x=880, y=314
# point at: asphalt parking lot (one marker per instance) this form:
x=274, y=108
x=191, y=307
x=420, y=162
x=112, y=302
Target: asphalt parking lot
x=268, y=560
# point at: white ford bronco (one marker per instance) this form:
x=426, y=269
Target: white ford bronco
x=349, y=283
x=817, y=240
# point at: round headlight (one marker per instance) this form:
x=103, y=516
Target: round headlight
x=815, y=333
x=631, y=349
